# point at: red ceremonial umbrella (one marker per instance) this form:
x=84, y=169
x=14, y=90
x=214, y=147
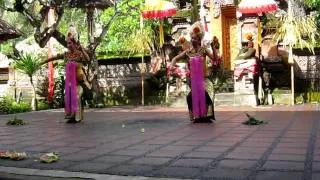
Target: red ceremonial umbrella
x=158, y=9
x=257, y=6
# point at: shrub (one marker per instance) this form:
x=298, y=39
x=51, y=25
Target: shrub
x=43, y=105
x=9, y=106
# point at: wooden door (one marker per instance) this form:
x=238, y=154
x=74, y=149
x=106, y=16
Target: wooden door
x=230, y=42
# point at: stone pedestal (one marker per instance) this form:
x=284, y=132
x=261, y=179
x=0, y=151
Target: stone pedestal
x=244, y=92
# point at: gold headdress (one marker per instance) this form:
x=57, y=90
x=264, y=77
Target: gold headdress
x=197, y=28
x=72, y=33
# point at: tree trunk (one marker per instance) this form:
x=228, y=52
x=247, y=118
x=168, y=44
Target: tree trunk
x=195, y=11
x=92, y=79
x=34, y=98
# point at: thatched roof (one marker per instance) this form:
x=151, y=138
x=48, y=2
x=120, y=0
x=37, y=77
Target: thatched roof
x=7, y=31
x=100, y=4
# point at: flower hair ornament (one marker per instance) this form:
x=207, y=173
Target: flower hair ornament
x=249, y=36
x=184, y=40
x=197, y=28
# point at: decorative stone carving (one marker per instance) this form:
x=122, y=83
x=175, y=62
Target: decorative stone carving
x=216, y=8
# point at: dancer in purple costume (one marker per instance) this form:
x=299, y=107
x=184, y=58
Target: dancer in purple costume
x=75, y=78
x=199, y=102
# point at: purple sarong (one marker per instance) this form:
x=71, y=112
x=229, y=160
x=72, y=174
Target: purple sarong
x=70, y=97
x=199, y=108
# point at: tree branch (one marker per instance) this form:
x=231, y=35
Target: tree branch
x=105, y=28
x=104, y=31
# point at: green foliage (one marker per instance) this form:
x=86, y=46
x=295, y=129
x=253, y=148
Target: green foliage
x=59, y=87
x=312, y=4
x=253, y=121
x=9, y=106
x=122, y=27
x=16, y=122
x=27, y=63
x=125, y=34
x=77, y=18
x=183, y=13
x=43, y=105
x=312, y=96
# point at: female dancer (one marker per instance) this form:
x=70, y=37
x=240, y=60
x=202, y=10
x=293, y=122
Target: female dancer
x=74, y=58
x=199, y=102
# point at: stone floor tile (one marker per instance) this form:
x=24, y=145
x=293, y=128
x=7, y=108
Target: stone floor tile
x=112, y=159
x=180, y=172
x=245, y=149
x=150, y=161
x=292, y=145
x=244, y=155
x=287, y=157
x=144, y=147
x=90, y=167
x=177, y=148
x=213, y=148
x=192, y=162
x=316, y=176
x=301, y=151
x=38, y=148
x=24, y=163
x=187, y=143
x=79, y=157
x=237, y=164
x=315, y=166
x=129, y=152
x=219, y=173
x=58, y=165
x=66, y=150
x=198, y=154
x=221, y=143
x=165, y=153
x=275, y=175
x=283, y=165
x=134, y=170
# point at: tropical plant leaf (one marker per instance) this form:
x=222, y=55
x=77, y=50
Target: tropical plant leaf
x=27, y=63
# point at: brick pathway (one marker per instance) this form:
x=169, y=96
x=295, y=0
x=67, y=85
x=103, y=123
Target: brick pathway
x=110, y=141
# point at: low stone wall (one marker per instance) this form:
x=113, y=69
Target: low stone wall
x=307, y=69
x=121, y=83
x=307, y=64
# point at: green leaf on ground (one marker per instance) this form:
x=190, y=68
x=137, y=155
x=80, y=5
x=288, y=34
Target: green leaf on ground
x=253, y=121
x=16, y=122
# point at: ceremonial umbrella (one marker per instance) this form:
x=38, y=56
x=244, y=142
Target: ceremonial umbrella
x=158, y=9
x=258, y=7
x=7, y=32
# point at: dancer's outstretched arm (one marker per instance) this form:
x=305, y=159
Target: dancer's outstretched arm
x=53, y=58
x=213, y=55
x=178, y=57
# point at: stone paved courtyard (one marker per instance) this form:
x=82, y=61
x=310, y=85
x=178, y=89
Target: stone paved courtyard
x=111, y=141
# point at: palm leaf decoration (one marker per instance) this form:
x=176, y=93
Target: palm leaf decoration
x=297, y=32
x=253, y=121
x=140, y=42
x=29, y=65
